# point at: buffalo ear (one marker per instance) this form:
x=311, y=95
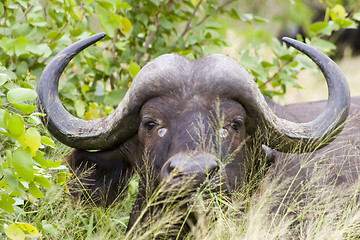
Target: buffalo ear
x=269, y=154
x=98, y=177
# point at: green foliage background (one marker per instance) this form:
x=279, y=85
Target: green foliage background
x=32, y=32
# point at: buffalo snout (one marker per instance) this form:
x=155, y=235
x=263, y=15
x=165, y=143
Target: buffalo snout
x=193, y=166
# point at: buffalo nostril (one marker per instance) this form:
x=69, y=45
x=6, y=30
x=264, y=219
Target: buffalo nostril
x=198, y=165
x=175, y=170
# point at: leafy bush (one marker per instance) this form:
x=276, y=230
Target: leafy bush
x=32, y=32
x=276, y=75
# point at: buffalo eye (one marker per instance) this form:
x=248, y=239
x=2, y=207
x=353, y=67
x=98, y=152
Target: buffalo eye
x=236, y=126
x=149, y=126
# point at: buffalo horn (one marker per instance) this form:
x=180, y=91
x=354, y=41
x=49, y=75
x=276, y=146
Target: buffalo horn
x=74, y=132
x=107, y=132
x=315, y=134
x=222, y=75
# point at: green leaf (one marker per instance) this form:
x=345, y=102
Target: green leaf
x=32, y=140
x=109, y=21
x=56, y=164
x=266, y=64
x=49, y=228
x=281, y=50
x=61, y=178
x=107, y=4
x=21, y=94
x=25, y=108
x=43, y=50
x=22, y=29
x=1, y=9
x=35, y=191
x=125, y=26
x=11, y=179
x=261, y=19
x=165, y=23
x=39, y=158
x=14, y=232
x=22, y=3
x=324, y=45
x=6, y=203
x=114, y=97
x=3, y=78
x=48, y=141
x=28, y=229
x=43, y=181
x=80, y=108
x=20, y=46
x=58, y=16
x=252, y=64
x=337, y=12
x=344, y=23
x=7, y=45
x=106, y=22
x=23, y=164
x=4, y=116
x=211, y=34
x=305, y=62
x=34, y=119
x=318, y=26
x=22, y=68
x=134, y=69
x=76, y=32
x=84, y=89
x=212, y=11
x=121, y=45
x=122, y=5
x=16, y=125
x=235, y=13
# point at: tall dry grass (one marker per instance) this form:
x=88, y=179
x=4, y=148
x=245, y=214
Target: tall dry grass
x=307, y=196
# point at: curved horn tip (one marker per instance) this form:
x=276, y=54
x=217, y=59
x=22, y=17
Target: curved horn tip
x=94, y=38
x=100, y=35
x=287, y=39
x=90, y=40
x=295, y=43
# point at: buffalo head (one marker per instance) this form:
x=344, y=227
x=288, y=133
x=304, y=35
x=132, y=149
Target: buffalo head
x=187, y=119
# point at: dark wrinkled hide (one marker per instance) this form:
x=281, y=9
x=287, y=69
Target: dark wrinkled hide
x=340, y=159
x=104, y=174
x=190, y=128
x=112, y=169
x=186, y=125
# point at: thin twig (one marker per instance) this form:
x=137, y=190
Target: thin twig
x=278, y=71
x=81, y=19
x=113, y=52
x=26, y=11
x=153, y=33
x=51, y=41
x=200, y=22
x=170, y=4
x=217, y=10
x=187, y=28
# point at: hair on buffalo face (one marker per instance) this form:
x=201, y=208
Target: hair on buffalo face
x=100, y=177
x=181, y=120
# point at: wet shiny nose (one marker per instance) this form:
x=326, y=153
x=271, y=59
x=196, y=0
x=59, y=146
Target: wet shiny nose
x=197, y=166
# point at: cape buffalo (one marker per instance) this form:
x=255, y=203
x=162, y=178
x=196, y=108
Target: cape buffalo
x=183, y=118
